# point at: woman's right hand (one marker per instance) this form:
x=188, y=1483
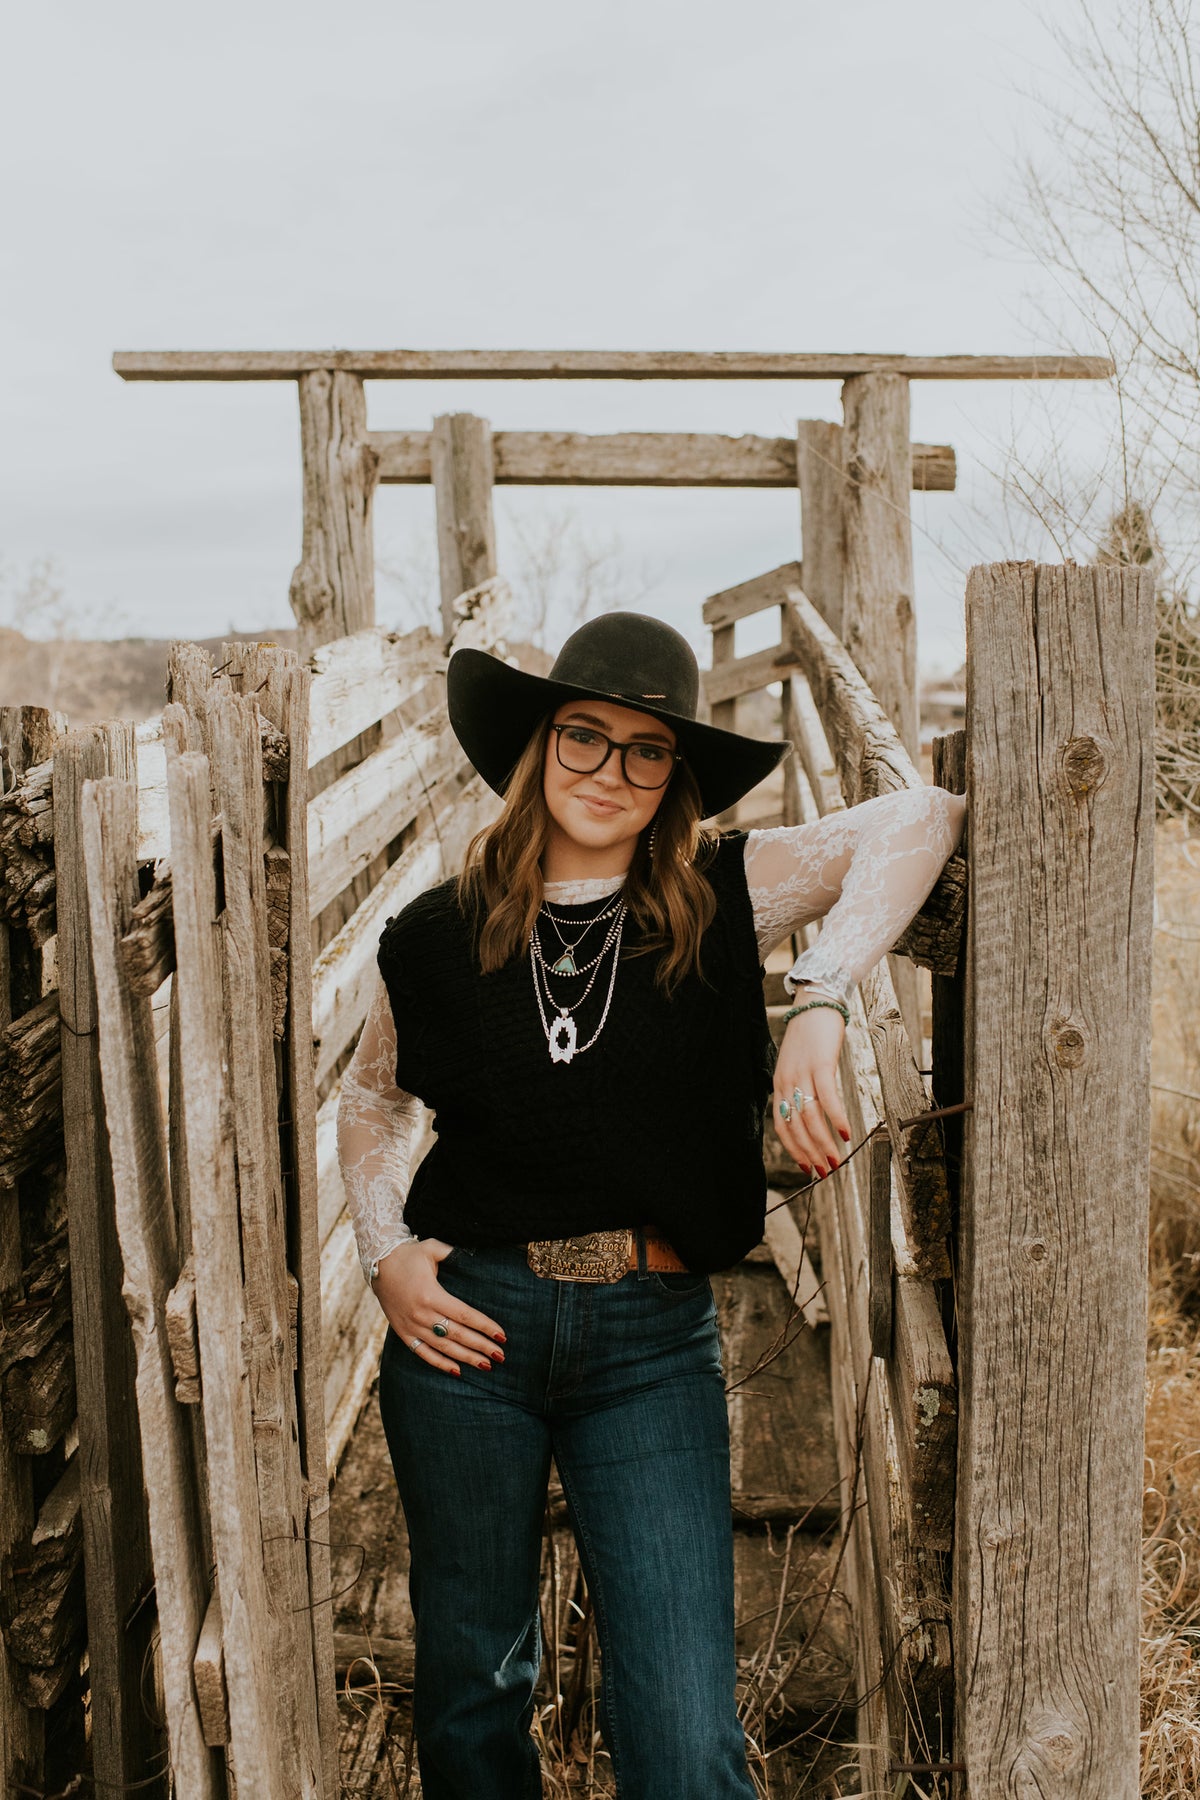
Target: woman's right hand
x=412, y=1297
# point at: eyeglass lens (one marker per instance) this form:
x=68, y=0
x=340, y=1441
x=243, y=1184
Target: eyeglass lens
x=583, y=751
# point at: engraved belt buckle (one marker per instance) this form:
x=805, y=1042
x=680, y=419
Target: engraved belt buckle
x=596, y=1256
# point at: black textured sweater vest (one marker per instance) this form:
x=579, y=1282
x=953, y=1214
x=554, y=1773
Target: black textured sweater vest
x=660, y=1122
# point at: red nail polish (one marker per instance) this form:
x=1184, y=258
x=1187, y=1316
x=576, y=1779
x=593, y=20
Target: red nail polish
x=498, y=1337
x=845, y=1137
x=497, y=1356
x=483, y=1365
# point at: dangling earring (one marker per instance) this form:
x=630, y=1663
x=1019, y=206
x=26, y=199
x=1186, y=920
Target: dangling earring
x=653, y=837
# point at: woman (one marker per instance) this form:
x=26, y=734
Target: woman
x=583, y=1009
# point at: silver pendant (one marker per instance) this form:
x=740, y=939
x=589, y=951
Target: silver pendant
x=565, y=965
x=562, y=1029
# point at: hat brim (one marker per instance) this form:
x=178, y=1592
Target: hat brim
x=494, y=710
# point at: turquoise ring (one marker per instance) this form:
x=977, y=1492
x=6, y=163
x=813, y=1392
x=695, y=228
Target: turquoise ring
x=785, y=1111
x=442, y=1328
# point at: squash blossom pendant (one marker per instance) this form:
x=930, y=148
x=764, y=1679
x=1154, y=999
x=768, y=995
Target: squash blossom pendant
x=562, y=1037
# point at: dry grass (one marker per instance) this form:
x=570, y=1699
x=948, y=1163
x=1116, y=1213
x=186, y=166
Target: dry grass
x=1171, y=1547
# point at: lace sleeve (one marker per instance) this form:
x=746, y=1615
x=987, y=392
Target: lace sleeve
x=376, y=1130
x=865, y=871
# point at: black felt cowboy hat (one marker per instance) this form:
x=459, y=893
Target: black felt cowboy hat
x=623, y=656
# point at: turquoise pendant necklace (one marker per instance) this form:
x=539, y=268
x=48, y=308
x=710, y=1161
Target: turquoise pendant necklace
x=566, y=964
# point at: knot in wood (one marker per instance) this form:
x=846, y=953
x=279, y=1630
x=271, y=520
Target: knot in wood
x=1070, y=1045
x=1083, y=765
x=1036, y=1249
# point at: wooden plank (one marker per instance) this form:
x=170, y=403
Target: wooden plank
x=116, y=1541
x=746, y=674
x=364, y=809
x=463, y=475
x=303, y=1208
x=1052, y=1286
x=636, y=459
x=879, y=1247
x=753, y=596
x=281, y=1500
x=145, y=1222
x=344, y=972
x=358, y=680
x=179, y=1314
x=922, y=1384
x=233, y=1495
x=208, y=1671
x=352, y=1362
x=26, y=739
x=786, y=1245
x=591, y=365
x=879, y=625
x=333, y=586
x=871, y=760
x=821, y=478
x=781, y=1439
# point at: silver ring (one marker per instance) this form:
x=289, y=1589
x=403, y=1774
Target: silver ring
x=441, y=1328
x=800, y=1099
x=414, y=1343
x=785, y=1111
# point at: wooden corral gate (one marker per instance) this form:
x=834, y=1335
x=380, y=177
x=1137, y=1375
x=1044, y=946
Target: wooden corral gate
x=981, y=1257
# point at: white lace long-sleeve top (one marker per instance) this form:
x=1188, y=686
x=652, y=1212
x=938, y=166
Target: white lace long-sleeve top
x=865, y=872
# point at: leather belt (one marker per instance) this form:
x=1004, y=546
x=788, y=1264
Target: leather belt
x=601, y=1255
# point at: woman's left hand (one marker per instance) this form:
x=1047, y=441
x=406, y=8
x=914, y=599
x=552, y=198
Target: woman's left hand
x=807, y=1061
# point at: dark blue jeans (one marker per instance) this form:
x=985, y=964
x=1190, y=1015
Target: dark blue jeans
x=621, y=1382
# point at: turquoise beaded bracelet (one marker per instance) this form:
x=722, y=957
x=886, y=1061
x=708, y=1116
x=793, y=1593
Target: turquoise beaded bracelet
x=836, y=1005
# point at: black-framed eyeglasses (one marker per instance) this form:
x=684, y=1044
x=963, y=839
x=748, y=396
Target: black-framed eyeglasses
x=583, y=750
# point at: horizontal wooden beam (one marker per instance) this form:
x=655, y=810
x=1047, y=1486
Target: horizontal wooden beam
x=636, y=459
x=753, y=596
x=749, y=673
x=590, y=365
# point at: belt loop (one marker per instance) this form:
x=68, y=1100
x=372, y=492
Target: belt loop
x=640, y=1235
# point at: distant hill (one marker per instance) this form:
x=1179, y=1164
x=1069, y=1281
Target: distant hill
x=101, y=678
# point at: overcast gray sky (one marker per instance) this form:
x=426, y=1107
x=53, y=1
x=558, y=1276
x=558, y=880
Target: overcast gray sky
x=776, y=174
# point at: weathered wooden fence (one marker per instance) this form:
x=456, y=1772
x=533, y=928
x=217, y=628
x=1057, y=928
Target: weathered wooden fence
x=983, y=1256
x=182, y=874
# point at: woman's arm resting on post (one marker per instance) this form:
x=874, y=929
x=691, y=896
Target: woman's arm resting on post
x=377, y=1125
x=866, y=872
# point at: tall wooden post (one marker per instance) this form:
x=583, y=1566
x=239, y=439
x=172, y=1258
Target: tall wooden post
x=879, y=625
x=1052, y=1287
x=821, y=474
x=463, y=473
x=855, y=481
x=118, y=1567
x=333, y=587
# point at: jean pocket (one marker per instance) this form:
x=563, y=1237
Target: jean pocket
x=680, y=1282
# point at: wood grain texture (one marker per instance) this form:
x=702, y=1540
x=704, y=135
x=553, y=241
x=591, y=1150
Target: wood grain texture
x=1052, y=1290
x=207, y=1120
x=821, y=480
x=879, y=625
x=333, y=586
x=145, y=1222
x=870, y=759
x=591, y=365
x=246, y=977
x=753, y=596
x=116, y=1538
x=463, y=476
x=635, y=459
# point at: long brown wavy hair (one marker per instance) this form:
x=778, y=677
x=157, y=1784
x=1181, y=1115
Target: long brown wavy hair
x=666, y=893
